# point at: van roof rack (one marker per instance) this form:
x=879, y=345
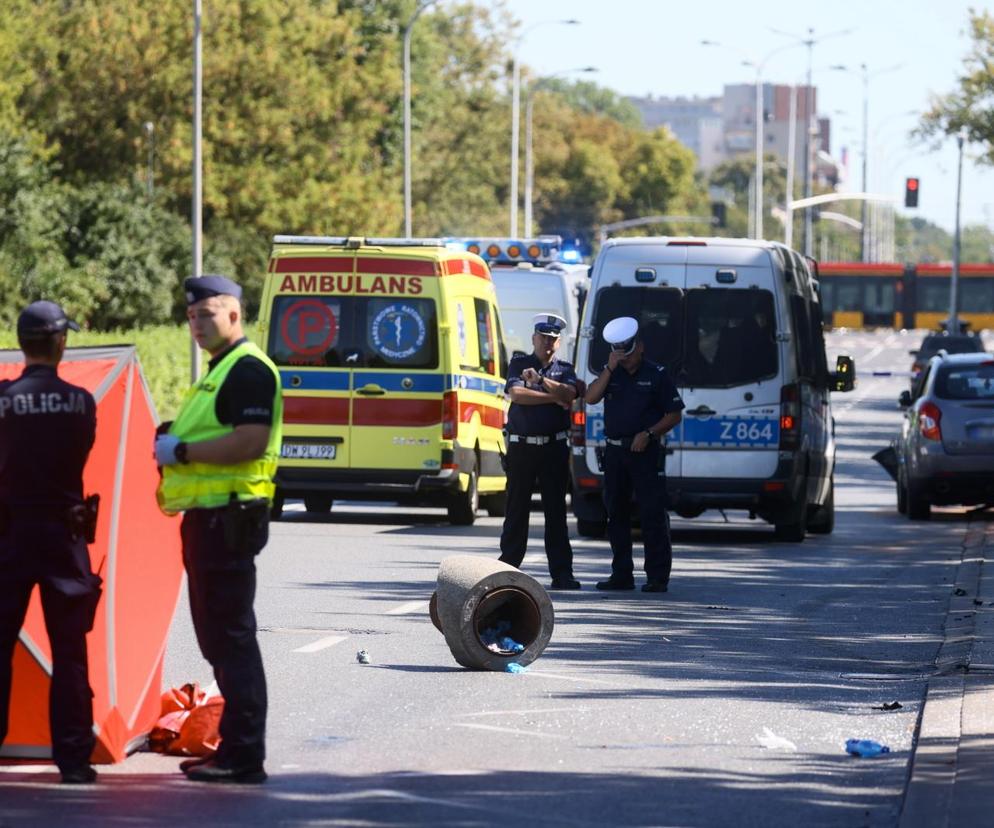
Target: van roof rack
x=354, y=242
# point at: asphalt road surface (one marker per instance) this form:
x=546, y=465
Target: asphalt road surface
x=725, y=702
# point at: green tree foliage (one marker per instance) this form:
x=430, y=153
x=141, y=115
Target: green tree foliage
x=969, y=106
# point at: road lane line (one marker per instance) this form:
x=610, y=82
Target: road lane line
x=321, y=644
x=529, y=712
x=512, y=730
x=408, y=608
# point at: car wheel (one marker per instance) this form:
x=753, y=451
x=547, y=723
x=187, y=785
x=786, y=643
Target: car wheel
x=792, y=527
x=902, y=495
x=591, y=528
x=822, y=520
x=918, y=506
x=463, y=506
x=318, y=503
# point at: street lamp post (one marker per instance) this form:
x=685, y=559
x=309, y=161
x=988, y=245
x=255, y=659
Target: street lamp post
x=516, y=116
x=760, y=123
x=529, y=159
x=954, y=280
x=198, y=187
x=407, y=113
x=149, y=129
x=810, y=42
x=865, y=74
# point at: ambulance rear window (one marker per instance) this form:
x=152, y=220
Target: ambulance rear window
x=354, y=332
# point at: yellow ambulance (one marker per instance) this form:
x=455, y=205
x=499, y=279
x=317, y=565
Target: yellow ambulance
x=392, y=364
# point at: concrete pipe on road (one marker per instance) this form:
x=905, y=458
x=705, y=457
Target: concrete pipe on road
x=476, y=597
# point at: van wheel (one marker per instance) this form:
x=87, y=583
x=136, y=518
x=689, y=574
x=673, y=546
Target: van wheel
x=822, y=520
x=318, y=503
x=918, y=506
x=496, y=504
x=591, y=528
x=793, y=525
x=276, y=508
x=902, y=495
x=463, y=506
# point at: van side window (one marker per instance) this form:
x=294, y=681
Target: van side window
x=658, y=311
x=803, y=338
x=818, y=343
x=485, y=336
x=730, y=337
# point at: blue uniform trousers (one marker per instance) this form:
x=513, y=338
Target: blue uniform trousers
x=39, y=549
x=549, y=464
x=221, y=585
x=626, y=472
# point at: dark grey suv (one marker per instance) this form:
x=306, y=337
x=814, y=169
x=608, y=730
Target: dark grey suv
x=945, y=454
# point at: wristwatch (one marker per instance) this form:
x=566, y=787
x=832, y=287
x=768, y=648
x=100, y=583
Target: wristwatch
x=180, y=452
x=649, y=434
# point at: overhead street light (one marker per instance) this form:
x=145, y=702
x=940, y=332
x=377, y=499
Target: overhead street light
x=197, y=218
x=407, y=113
x=866, y=75
x=810, y=41
x=516, y=114
x=529, y=159
x=760, y=118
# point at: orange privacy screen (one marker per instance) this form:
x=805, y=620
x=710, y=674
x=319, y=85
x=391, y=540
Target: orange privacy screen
x=137, y=552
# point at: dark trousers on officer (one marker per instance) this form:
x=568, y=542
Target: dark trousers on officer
x=626, y=472
x=549, y=464
x=221, y=584
x=42, y=551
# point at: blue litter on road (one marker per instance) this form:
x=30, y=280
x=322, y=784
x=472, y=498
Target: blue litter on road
x=514, y=667
x=495, y=640
x=865, y=747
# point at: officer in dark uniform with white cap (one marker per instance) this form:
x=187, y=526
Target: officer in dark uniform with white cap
x=541, y=388
x=218, y=460
x=47, y=428
x=641, y=405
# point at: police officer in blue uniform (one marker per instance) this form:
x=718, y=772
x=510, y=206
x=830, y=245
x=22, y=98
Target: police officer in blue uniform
x=541, y=388
x=641, y=405
x=47, y=428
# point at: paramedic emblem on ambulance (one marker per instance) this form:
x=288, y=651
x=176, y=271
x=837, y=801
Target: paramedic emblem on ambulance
x=398, y=331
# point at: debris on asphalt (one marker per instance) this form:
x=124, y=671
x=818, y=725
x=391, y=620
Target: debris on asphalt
x=894, y=705
x=362, y=657
x=959, y=591
x=514, y=667
x=865, y=748
x=771, y=741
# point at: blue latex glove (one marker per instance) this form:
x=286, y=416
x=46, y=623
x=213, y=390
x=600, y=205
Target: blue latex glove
x=165, y=449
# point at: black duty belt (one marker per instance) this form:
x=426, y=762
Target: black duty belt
x=537, y=441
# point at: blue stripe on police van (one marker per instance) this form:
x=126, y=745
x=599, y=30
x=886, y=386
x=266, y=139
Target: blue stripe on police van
x=741, y=432
x=465, y=382
x=315, y=380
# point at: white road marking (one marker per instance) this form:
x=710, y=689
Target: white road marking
x=771, y=741
x=512, y=730
x=321, y=644
x=408, y=608
x=530, y=712
x=543, y=674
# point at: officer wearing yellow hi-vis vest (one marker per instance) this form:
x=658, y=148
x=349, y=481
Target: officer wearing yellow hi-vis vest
x=218, y=459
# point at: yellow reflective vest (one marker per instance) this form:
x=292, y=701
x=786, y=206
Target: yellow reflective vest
x=206, y=485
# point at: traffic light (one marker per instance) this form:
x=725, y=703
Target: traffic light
x=911, y=192
x=719, y=214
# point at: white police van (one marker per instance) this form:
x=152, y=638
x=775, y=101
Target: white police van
x=738, y=325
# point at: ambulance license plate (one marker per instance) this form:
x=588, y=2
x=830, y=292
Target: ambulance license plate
x=308, y=451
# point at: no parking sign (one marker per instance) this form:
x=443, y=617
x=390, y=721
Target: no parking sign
x=309, y=327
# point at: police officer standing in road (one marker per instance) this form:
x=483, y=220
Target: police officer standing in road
x=219, y=458
x=47, y=428
x=541, y=388
x=641, y=405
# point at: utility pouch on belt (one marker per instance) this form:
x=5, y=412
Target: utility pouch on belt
x=246, y=525
x=83, y=518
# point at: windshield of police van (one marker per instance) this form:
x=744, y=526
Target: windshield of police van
x=730, y=337
x=353, y=332
x=658, y=313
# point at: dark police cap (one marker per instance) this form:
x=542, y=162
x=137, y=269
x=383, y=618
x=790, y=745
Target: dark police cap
x=203, y=287
x=43, y=318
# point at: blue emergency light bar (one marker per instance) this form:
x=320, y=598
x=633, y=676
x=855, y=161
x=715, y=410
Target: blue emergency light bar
x=539, y=250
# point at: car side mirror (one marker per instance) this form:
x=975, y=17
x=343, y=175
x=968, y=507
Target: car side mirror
x=905, y=399
x=844, y=377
